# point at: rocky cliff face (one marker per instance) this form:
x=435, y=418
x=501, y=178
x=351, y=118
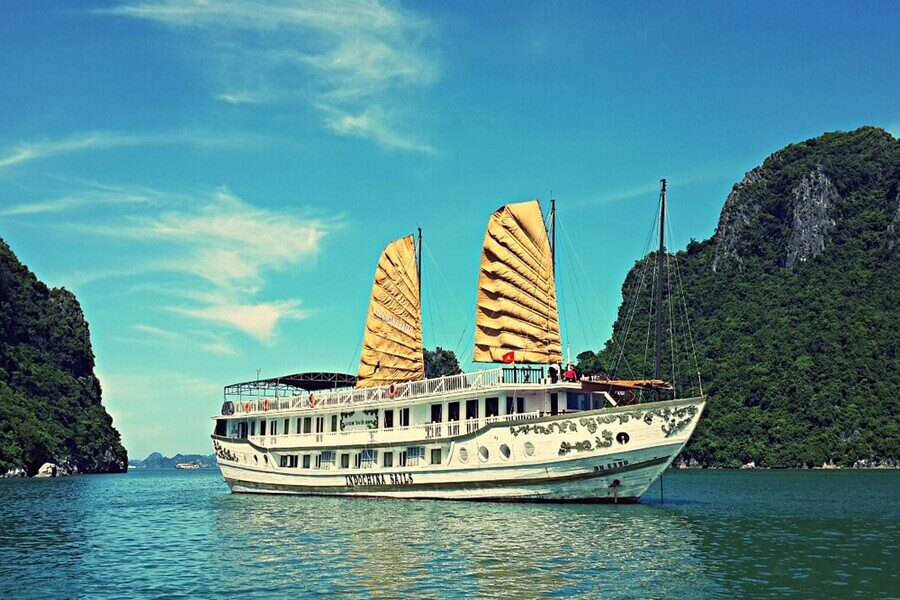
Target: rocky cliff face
x=736, y=217
x=795, y=308
x=813, y=198
x=50, y=408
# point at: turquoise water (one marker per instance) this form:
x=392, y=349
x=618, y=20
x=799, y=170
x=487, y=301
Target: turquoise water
x=720, y=534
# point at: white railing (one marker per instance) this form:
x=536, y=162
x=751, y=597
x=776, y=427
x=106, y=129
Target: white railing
x=446, y=385
x=410, y=434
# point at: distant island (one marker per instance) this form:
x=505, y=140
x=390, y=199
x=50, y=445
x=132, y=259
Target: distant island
x=52, y=421
x=157, y=461
x=795, y=308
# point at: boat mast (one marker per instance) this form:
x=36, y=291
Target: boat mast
x=419, y=265
x=553, y=235
x=659, y=283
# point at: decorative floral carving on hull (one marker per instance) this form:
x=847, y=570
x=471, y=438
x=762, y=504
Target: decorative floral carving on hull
x=223, y=453
x=586, y=446
x=674, y=421
x=559, y=426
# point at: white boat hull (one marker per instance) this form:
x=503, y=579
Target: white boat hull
x=606, y=455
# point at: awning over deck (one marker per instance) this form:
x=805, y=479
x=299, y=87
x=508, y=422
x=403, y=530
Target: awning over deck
x=288, y=385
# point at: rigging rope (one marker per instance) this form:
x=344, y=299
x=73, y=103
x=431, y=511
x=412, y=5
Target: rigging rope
x=631, y=304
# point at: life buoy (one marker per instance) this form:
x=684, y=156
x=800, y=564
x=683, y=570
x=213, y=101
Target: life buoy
x=312, y=400
x=392, y=391
x=266, y=404
x=246, y=407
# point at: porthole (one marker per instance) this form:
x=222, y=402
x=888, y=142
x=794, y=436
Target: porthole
x=504, y=451
x=463, y=455
x=529, y=449
x=484, y=453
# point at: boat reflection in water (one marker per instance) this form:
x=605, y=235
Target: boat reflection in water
x=393, y=548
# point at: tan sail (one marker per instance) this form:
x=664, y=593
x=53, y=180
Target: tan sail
x=516, y=310
x=392, y=345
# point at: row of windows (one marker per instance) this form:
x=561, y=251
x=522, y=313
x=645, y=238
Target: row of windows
x=309, y=424
x=411, y=457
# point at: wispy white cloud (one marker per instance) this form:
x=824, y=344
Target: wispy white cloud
x=371, y=125
x=712, y=172
x=78, y=200
x=102, y=140
x=256, y=320
x=226, y=249
x=357, y=61
x=157, y=336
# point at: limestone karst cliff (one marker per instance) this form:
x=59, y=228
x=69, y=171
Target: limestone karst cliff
x=50, y=408
x=795, y=307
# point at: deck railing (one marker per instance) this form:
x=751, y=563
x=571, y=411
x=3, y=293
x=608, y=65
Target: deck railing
x=446, y=385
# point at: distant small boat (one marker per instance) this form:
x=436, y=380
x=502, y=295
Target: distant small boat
x=191, y=465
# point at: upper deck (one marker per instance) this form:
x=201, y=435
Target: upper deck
x=270, y=396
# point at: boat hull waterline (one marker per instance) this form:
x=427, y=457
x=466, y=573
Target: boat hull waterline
x=604, y=455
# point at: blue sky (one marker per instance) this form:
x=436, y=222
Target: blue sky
x=215, y=180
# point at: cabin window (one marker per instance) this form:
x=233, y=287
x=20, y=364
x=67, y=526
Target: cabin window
x=345, y=461
x=262, y=428
x=554, y=403
x=307, y=424
x=415, y=455
x=435, y=456
x=510, y=405
x=320, y=424
x=334, y=426
x=491, y=407
x=318, y=461
x=221, y=427
x=289, y=461
x=389, y=419
x=401, y=459
x=306, y=461
x=328, y=458
x=453, y=411
x=388, y=459
x=252, y=427
x=404, y=417
x=472, y=409
x=356, y=460
x=578, y=401
x=287, y=426
x=274, y=427
x=436, y=413
x=369, y=458
x=242, y=431
x=520, y=405
x=299, y=425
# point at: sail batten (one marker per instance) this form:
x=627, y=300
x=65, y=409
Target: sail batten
x=392, y=343
x=517, y=309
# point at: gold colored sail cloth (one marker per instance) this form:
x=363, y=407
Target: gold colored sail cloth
x=516, y=293
x=392, y=345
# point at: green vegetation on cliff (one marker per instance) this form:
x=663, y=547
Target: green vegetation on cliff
x=795, y=308
x=50, y=408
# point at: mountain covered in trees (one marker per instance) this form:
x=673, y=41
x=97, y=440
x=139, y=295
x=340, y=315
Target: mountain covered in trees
x=50, y=408
x=794, y=307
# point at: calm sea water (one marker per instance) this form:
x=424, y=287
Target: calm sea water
x=720, y=534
